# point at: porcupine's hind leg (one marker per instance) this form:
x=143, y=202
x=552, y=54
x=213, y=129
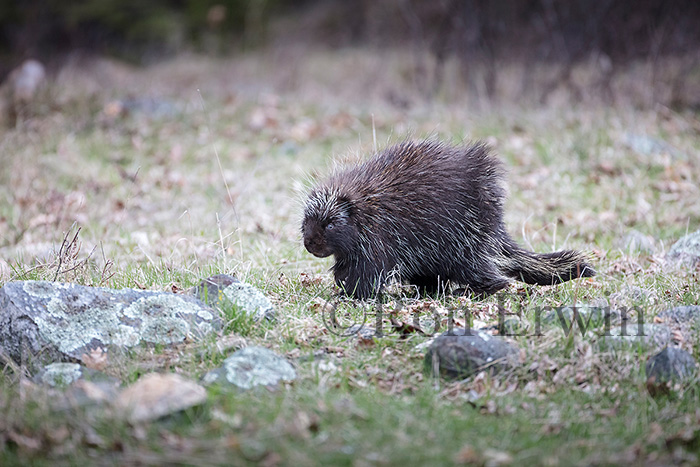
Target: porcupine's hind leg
x=482, y=279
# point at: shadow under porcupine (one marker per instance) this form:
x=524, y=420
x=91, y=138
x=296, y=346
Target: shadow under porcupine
x=431, y=213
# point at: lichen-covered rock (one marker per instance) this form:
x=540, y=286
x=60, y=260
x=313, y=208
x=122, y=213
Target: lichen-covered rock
x=457, y=355
x=671, y=364
x=686, y=251
x=250, y=367
x=60, y=374
x=57, y=321
x=76, y=385
x=63, y=374
x=221, y=289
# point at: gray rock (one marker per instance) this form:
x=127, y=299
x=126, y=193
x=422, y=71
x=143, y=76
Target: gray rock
x=56, y=321
x=78, y=386
x=362, y=331
x=646, y=145
x=590, y=316
x=26, y=80
x=250, y=367
x=140, y=107
x=637, y=242
x=600, y=302
x=456, y=355
x=683, y=315
x=211, y=289
x=513, y=327
x=686, y=251
x=646, y=335
x=631, y=295
x=63, y=374
x=251, y=300
x=150, y=106
x=20, y=93
x=223, y=289
x=60, y=374
x=670, y=364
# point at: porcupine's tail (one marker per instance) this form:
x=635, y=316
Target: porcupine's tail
x=546, y=268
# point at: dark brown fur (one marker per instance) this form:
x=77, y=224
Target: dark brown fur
x=431, y=213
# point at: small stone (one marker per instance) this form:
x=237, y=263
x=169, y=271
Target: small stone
x=683, y=315
x=211, y=289
x=250, y=300
x=647, y=145
x=512, y=327
x=250, y=367
x=361, y=331
x=591, y=316
x=150, y=106
x=631, y=295
x=85, y=392
x=461, y=353
x=670, y=364
x=686, y=251
x=637, y=242
x=326, y=366
x=60, y=374
x=222, y=288
x=599, y=302
x=646, y=335
x=77, y=385
x=26, y=80
x=156, y=395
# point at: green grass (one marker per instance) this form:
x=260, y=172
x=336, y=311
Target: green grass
x=165, y=201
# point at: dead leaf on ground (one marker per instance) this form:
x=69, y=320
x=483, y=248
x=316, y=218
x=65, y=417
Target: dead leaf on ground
x=467, y=455
x=96, y=359
x=405, y=329
x=307, y=280
x=318, y=305
x=495, y=457
x=365, y=342
x=25, y=443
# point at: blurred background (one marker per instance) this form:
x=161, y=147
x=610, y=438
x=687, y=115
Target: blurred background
x=526, y=51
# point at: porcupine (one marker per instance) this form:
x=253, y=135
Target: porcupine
x=432, y=213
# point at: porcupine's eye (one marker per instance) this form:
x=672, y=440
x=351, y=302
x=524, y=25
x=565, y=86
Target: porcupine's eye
x=330, y=226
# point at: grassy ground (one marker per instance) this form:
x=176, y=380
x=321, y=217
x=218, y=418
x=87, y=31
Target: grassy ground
x=196, y=167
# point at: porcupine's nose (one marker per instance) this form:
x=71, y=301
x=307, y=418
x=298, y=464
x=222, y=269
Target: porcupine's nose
x=311, y=246
x=316, y=248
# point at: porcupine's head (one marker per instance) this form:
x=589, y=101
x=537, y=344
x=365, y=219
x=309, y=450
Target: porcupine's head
x=329, y=227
